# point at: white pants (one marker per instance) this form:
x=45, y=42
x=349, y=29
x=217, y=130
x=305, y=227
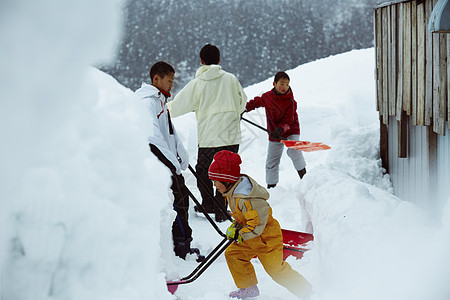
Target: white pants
x=274, y=152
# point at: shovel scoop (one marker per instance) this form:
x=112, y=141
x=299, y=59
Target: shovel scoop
x=305, y=145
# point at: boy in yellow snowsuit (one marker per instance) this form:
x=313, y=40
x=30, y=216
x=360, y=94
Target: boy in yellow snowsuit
x=255, y=230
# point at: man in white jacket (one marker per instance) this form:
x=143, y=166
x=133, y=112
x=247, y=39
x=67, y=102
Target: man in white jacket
x=218, y=100
x=166, y=145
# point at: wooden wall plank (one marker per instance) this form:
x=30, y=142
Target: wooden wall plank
x=378, y=58
x=407, y=57
x=429, y=67
x=385, y=63
x=421, y=27
x=448, y=80
x=414, y=62
x=399, y=104
x=392, y=60
x=443, y=82
x=436, y=80
x=439, y=82
x=384, y=145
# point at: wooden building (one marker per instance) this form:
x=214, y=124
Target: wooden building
x=412, y=84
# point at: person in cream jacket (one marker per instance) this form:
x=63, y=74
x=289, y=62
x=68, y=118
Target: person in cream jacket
x=217, y=98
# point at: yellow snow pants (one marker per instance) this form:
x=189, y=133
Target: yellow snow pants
x=269, y=249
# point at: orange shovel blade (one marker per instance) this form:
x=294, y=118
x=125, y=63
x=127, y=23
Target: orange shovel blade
x=305, y=145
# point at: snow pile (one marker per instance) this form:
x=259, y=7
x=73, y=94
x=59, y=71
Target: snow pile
x=77, y=217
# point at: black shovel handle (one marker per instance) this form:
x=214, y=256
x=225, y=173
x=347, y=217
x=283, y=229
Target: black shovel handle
x=254, y=124
x=202, y=209
x=260, y=127
x=204, y=264
x=222, y=209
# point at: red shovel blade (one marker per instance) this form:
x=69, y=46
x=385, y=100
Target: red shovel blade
x=294, y=243
x=296, y=238
x=172, y=287
x=305, y=145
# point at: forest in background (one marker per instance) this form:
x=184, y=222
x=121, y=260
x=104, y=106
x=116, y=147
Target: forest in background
x=256, y=38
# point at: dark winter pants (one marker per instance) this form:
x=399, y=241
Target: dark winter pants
x=181, y=232
x=180, y=227
x=204, y=160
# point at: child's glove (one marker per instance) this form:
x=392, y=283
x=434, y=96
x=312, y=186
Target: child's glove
x=233, y=233
x=276, y=134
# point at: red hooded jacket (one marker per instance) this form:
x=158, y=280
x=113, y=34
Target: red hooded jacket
x=281, y=111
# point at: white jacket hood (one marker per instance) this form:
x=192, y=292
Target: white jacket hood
x=209, y=72
x=146, y=90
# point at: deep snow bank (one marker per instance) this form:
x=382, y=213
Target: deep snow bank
x=76, y=212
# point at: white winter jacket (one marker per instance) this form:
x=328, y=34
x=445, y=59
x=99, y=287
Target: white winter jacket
x=169, y=144
x=218, y=100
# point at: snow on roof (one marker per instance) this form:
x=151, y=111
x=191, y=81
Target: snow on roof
x=382, y=3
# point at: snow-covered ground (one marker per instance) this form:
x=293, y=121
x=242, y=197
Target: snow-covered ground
x=368, y=243
x=85, y=209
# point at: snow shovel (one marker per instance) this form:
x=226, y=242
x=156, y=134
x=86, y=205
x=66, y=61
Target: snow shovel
x=223, y=245
x=294, y=243
x=299, y=145
x=172, y=286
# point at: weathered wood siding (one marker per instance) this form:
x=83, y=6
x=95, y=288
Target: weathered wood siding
x=413, y=70
x=412, y=83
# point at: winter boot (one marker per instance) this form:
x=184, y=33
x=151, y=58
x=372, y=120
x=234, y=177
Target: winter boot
x=302, y=173
x=269, y=186
x=246, y=293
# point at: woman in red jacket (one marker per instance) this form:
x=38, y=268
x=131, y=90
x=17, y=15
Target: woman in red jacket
x=282, y=123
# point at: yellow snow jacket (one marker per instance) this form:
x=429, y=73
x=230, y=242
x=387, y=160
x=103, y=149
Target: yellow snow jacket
x=218, y=100
x=248, y=204
x=262, y=236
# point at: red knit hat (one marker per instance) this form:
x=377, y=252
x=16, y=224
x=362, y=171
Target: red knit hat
x=225, y=167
